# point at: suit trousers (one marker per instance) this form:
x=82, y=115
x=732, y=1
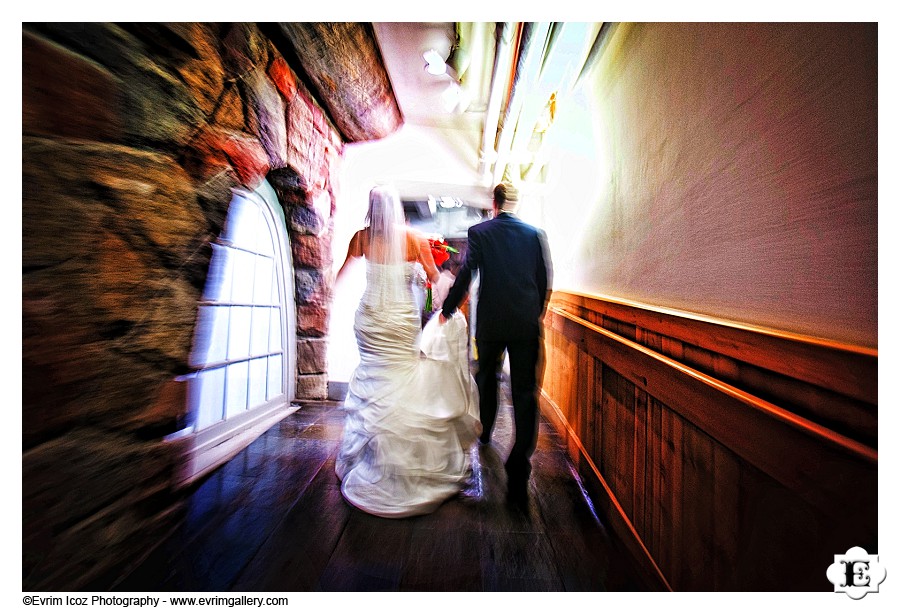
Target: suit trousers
x=524, y=356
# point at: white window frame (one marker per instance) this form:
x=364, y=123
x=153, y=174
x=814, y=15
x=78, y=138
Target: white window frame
x=206, y=448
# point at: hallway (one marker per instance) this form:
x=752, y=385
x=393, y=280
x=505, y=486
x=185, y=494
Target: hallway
x=709, y=196
x=273, y=519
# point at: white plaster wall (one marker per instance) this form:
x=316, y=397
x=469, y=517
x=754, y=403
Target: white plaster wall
x=725, y=169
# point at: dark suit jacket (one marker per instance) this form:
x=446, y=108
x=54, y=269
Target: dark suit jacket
x=514, y=264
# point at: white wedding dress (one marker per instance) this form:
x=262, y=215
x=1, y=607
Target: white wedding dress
x=412, y=405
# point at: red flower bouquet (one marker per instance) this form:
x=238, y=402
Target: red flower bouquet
x=440, y=251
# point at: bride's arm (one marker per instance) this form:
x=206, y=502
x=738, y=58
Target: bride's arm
x=354, y=251
x=424, y=256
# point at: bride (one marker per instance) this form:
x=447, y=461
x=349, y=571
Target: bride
x=412, y=406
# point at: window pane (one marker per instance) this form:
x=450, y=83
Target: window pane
x=257, y=390
x=259, y=338
x=207, y=395
x=218, y=280
x=236, y=389
x=240, y=226
x=239, y=333
x=264, y=240
x=262, y=292
x=276, y=298
x=275, y=330
x=242, y=281
x=275, y=376
x=211, y=338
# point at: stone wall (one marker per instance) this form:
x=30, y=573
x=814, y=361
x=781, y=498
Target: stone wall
x=133, y=137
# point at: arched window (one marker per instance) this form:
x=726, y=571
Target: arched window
x=244, y=347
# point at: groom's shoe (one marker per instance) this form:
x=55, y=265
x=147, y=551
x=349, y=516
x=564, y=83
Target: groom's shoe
x=517, y=477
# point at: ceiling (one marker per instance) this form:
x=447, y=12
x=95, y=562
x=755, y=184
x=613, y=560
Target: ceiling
x=489, y=114
x=447, y=100
x=450, y=108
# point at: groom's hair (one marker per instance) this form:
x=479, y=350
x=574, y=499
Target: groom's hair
x=506, y=196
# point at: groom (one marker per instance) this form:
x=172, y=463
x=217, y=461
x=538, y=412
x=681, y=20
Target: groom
x=514, y=266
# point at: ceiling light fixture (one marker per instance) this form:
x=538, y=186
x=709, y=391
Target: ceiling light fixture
x=435, y=64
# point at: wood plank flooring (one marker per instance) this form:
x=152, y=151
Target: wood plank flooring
x=273, y=519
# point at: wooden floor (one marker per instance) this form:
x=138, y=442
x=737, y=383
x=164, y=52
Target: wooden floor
x=273, y=519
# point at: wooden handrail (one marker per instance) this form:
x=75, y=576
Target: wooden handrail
x=787, y=447
x=843, y=368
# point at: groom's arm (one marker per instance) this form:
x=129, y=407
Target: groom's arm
x=544, y=270
x=463, y=278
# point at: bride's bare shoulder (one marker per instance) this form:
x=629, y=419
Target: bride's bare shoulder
x=359, y=242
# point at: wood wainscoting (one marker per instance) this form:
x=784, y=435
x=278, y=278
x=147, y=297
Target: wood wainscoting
x=727, y=457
